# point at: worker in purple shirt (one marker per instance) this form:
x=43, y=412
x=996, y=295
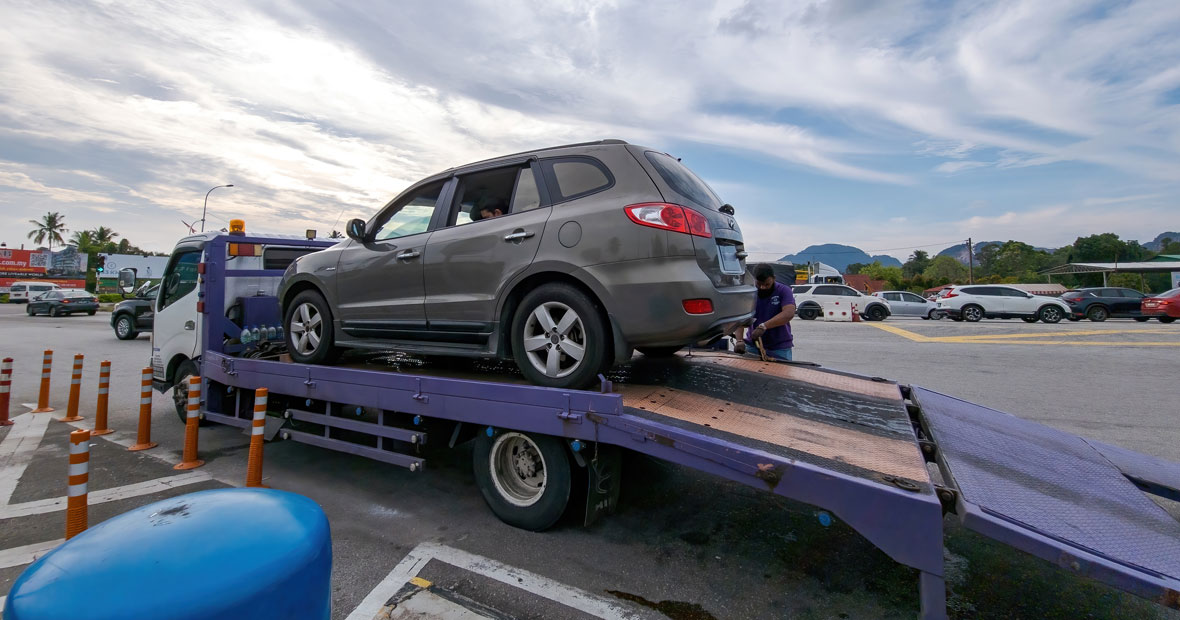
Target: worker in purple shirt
x=773, y=310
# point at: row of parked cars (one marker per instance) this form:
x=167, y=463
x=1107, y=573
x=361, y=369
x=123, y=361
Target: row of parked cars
x=989, y=301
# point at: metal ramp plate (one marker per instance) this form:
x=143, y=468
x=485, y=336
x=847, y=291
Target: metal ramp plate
x=1054, y=495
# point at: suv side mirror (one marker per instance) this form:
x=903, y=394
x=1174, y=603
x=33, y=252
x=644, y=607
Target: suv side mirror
x=356, y=229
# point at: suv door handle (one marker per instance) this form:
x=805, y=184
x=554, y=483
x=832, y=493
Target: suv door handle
x=408, y=254
x=519, y=235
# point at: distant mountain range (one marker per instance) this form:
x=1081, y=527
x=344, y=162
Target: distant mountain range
x=838, y=256
x=841, y=256
x=1155, y=245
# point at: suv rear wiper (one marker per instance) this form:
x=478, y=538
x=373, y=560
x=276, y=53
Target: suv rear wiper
x=727, y=209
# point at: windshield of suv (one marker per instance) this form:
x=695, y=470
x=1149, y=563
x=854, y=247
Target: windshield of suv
x=683, y=181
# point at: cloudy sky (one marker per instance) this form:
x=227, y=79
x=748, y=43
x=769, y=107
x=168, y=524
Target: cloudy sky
x=886, y=125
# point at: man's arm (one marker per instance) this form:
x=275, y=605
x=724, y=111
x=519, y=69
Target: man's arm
x=782, y=318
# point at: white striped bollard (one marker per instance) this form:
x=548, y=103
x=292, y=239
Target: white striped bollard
x=43, y=396
x=100, y=408
x=191, y=423
x=5, y=390
x=75, y=391
x=143, y=434
x=254, y=463
x=79, y=476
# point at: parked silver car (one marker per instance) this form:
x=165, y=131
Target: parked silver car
x=564, y=259
x=905, y=303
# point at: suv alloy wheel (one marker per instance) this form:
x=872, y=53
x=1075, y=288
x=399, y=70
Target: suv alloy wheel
x=558, y=338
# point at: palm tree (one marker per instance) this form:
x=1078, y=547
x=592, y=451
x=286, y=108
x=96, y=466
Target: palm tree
x=84, y=240
x=50, y=226
x=103, y=235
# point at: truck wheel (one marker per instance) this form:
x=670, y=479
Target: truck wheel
x=875, y=312
x=972, y=313
x=524, y=477
x=808, y=313
x=558, y=339
x=658, y=351
x=186, y=369
x=1051, y=314
x=1097, y=314
x=125, y=328
x=309, y=328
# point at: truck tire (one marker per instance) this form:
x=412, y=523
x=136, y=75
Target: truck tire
x=1051, y=314
x=558, y=339
x=525, y=477
x=658, y=351
x=186, y=369
x=309, y=333
x=972, y=313
x=125, y=328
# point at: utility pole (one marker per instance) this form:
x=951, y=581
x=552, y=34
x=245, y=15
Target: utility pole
x=970, y=262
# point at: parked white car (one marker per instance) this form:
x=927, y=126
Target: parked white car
x=811, y=298
x=991, y=301
x=905, y=303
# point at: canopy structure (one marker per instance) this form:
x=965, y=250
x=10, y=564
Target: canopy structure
x=1156, y=266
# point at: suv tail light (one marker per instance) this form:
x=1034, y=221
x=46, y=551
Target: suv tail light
x=1078, y=298
x=669, y=217
x=949, y=294
x=698, y=306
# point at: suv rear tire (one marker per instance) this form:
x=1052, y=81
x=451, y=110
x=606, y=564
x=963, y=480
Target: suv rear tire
x=1051, y=314
x=309, y=332
x=808, y=313
x=1097, y=314
x=876, y=312
x=972, y=313
x=557, y=320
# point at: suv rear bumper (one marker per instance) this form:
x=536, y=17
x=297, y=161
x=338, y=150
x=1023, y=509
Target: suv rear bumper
x=646, y=299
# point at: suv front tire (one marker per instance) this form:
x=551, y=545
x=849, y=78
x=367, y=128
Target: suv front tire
x=309, y=328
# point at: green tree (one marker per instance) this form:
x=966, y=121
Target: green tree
x=49, y=227
x=945, y=270
x=1170, y=247
x=877, y=271
x=854, y=268
x=917, y=263
x=1014, y=260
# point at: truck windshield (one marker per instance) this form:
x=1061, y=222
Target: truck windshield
x=180, y=278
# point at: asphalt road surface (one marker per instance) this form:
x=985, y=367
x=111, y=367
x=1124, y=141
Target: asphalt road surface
x=682, y=545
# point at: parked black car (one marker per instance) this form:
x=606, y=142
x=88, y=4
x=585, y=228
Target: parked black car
x=1101, y=303
x=135, y=314
x=62, y=302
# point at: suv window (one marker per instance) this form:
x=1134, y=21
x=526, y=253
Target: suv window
x=800, y=289
x=507, y=190
x=180, y=278
x=683, y=181
x=828, y=290
x=575, y=177
x=1004, y=291
x=1133, y=294
x=411, y=216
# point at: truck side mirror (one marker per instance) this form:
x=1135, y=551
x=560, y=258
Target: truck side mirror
x=356, y=229
x=126, y=280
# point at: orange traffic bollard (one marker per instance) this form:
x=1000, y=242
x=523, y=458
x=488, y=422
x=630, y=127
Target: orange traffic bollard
x=191, y=423
x=43, y=397
x=75, y=392
x=254, y=464
x=143, y=435
x=100, y=409
x=79, y=476
x=5, y=387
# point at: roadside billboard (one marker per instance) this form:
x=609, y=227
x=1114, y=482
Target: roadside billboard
x=66, y=268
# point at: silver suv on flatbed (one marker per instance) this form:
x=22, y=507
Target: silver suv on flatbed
x=564, y=259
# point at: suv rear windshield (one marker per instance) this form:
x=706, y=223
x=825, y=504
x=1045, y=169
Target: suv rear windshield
x=73, y=294
x=683, y=181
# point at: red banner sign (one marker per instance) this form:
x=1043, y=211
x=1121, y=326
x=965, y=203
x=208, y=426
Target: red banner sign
x=18, y=262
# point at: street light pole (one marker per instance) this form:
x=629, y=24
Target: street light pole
x=207, y=204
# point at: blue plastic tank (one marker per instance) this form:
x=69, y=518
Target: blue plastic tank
x=225, y=553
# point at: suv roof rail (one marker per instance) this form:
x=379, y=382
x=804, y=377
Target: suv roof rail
x=540, y=150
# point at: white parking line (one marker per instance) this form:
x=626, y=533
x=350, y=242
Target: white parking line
x=17, y=450
x=544, y=587
x=19, y=556
x=105, y=495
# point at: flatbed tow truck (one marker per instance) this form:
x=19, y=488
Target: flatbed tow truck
x=889, y=460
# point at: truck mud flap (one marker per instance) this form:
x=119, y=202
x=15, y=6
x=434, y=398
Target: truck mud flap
x=1074, y=502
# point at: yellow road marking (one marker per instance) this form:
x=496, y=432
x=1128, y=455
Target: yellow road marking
x=420, y=582
x=1031, y=338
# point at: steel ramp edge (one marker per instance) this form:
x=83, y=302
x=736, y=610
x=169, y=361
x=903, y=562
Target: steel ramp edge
x=1053, y=495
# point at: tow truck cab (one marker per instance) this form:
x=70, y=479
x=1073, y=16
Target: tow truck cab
x=249, y=301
